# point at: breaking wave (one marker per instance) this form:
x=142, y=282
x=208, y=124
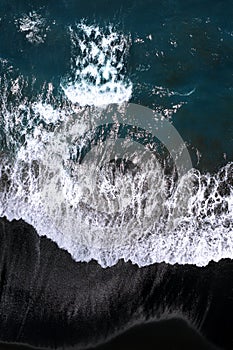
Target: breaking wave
x=98, y=66
x=133, y=207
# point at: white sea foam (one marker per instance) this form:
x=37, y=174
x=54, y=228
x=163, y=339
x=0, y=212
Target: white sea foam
x=97, y=210
x=49, y=191
x=98, y=66
x=34, y=26
x=47, y=112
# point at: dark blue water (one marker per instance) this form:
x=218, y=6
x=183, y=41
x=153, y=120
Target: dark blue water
x=174, y=57
x=177, y=46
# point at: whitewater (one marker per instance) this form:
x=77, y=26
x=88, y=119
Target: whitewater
x=103, y=193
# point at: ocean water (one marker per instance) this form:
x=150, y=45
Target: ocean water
x=65, y=65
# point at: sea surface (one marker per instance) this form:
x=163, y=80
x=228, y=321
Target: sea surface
x=81, y=80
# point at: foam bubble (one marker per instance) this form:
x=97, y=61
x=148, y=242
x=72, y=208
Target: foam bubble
x=34, y=26
x=98, y=66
